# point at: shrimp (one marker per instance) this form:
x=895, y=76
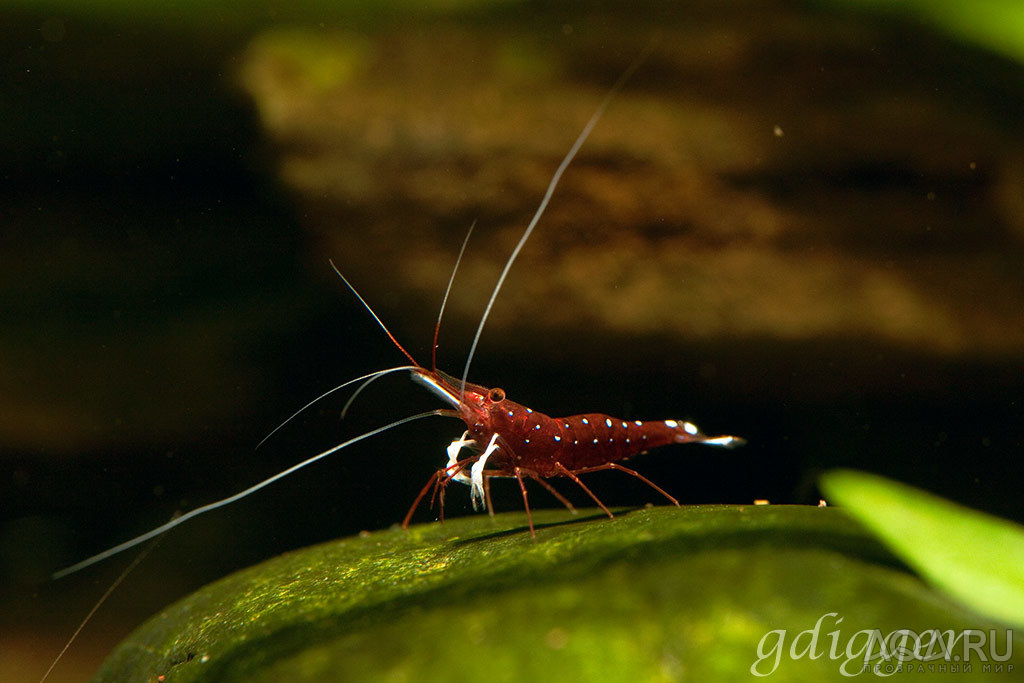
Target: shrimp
x=517, y=441
x=521, y=442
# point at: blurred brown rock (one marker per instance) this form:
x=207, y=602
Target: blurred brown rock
x=796, y=178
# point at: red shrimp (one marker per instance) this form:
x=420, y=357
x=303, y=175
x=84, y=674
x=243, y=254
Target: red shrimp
x=512, y=440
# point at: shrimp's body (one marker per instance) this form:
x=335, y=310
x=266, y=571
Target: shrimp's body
x=511, y=440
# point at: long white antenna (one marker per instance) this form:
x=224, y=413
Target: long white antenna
x=142, y=538
x=584, y=134
x=99, y=603
x=447, y=291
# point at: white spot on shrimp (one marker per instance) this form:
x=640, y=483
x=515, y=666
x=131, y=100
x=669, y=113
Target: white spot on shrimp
x=557, y=437
x=608, y=422
x=595, y=440
x=529, y=410
x=638, y=423
x=511, y=414
x=566, y=425
x=585, y=421
x=526, y=441
x=671, y=424
x=625, y=425
x=575, y=442
x=536, y=426
x=690, y=428
x=627, y=440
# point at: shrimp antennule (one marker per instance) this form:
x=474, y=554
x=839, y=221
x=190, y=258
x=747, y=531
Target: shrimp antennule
x=375, y=316
x=369, y=377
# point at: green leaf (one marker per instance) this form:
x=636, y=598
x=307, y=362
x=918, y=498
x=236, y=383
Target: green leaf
x=657, y=594
x=977, y=558
x=994, y=24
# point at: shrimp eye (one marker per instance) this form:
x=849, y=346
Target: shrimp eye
x=497, y=395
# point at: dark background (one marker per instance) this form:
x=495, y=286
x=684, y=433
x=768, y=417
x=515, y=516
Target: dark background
x=165, y=297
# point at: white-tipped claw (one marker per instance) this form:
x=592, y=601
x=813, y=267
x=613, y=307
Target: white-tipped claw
x=477, y=472
x=453, y=457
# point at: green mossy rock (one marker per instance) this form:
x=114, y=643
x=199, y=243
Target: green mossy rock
x=657, y=594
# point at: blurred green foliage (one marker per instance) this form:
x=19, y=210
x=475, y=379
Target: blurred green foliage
x=997, y=25
x=976, y=558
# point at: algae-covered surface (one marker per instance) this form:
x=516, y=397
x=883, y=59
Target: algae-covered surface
x=695, y=593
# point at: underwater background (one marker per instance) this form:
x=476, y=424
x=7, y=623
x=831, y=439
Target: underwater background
x=800, y=222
